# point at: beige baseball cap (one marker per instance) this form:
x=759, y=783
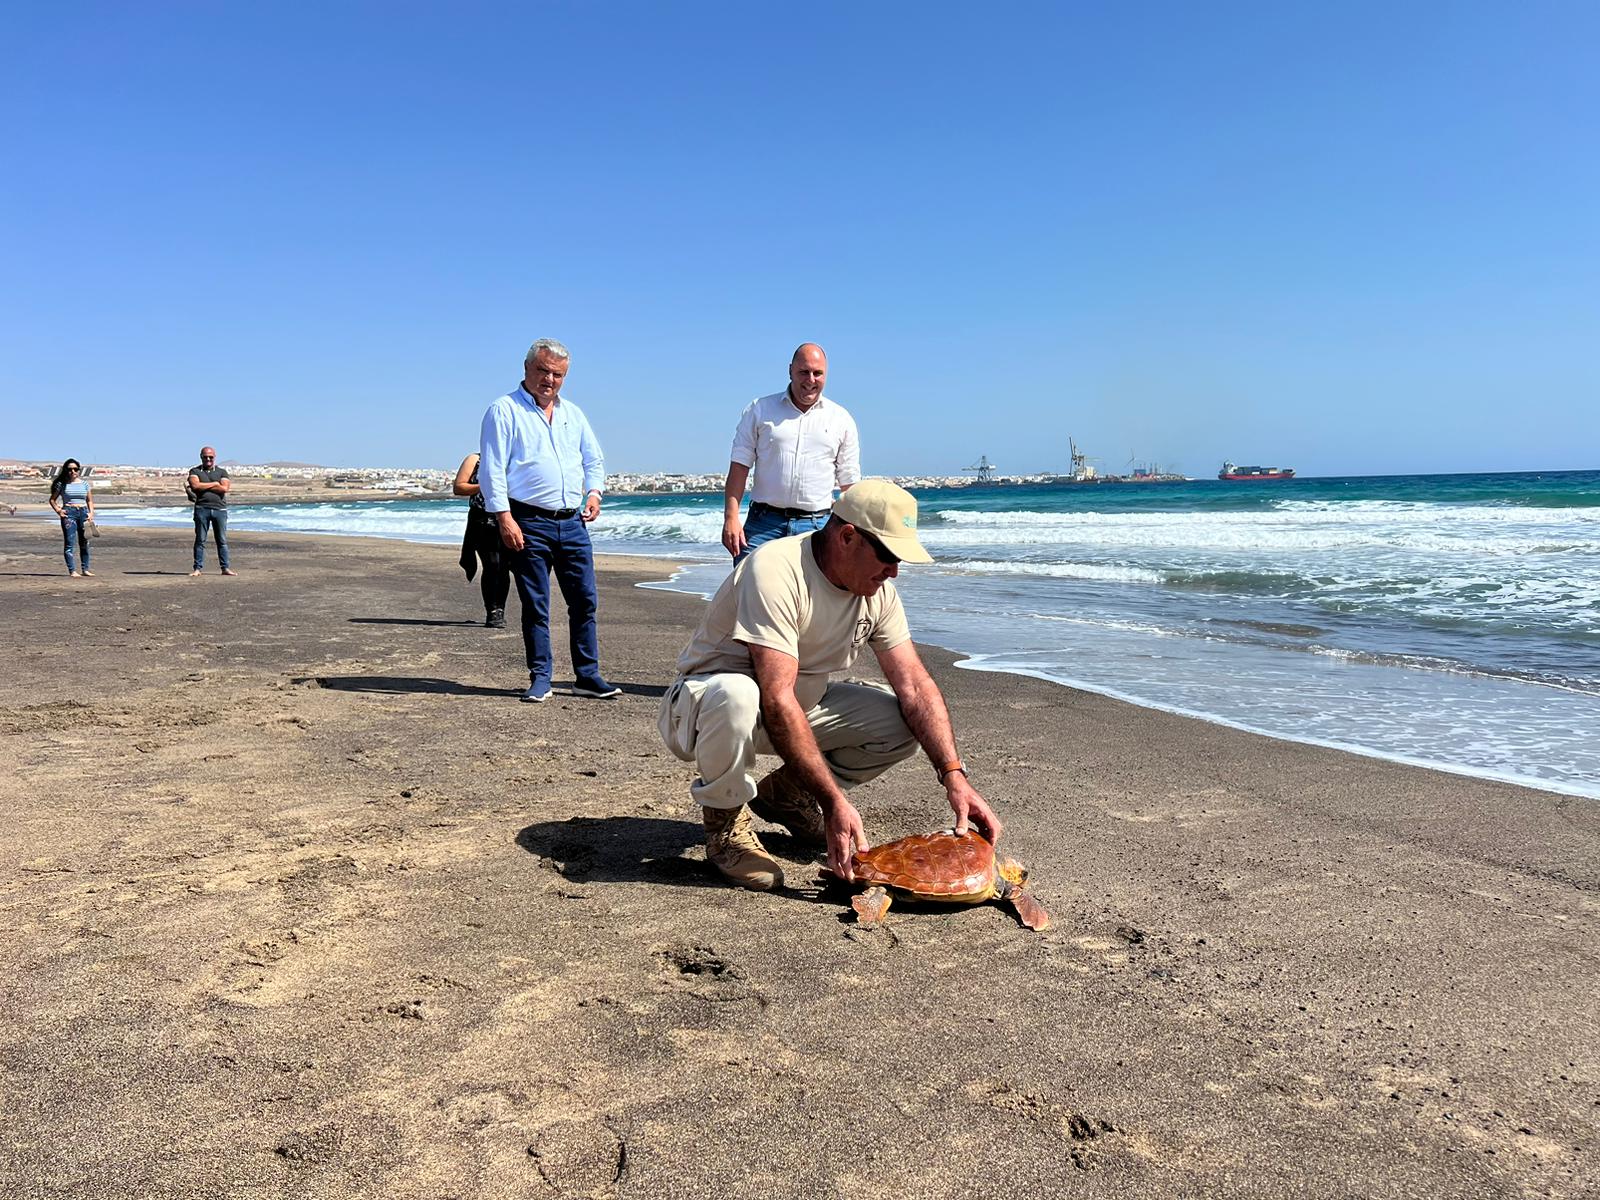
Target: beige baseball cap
x=888, y=512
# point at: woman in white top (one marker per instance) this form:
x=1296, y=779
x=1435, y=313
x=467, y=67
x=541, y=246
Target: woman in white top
x=73, y=501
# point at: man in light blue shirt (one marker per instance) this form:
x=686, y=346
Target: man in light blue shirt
x=542, y=474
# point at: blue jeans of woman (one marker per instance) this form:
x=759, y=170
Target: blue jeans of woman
x=75, y=536
x=207, y=517
x=763, y=524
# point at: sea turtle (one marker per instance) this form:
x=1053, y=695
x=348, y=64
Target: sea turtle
x=944, y=867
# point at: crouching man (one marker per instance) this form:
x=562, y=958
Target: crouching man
x=755, y=679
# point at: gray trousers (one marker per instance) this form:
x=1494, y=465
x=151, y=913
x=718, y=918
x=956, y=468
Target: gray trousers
x=714, y=721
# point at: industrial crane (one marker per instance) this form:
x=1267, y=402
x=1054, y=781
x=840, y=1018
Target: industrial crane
x=983, y=468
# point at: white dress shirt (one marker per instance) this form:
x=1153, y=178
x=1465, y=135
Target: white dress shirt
x=549, y=464
x=798, y=457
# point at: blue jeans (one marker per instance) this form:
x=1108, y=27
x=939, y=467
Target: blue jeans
x=74, y=535
x=763, y=524
x=213, y=518
x=564, y=547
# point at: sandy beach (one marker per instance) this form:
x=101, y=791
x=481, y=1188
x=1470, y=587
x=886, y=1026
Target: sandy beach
x=299, y=901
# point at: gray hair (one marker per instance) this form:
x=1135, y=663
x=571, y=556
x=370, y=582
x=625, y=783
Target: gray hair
x=550, y=346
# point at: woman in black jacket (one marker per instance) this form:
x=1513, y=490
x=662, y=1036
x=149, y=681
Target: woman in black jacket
x=482, y=544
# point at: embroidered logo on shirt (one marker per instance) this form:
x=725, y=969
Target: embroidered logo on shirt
x=863, y=632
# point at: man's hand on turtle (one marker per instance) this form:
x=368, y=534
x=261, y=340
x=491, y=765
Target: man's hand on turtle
x=968, y=805
x=844, y=827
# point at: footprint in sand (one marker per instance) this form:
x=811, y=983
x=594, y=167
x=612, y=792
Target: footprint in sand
x=320, y=1145
x=703, y=972
x=580, y=1158
x=260, y=972
x=1082, y=1131
x=479, y=1108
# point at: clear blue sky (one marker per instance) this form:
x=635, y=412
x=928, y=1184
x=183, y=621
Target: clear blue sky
x=1348, y=238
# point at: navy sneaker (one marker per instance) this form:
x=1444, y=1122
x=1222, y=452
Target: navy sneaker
x=595, y=689
x=538, y=692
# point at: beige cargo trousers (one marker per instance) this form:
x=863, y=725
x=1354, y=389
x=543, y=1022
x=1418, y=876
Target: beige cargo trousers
x=714, y=721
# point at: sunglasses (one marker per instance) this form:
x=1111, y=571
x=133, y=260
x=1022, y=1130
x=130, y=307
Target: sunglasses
x=886, y=556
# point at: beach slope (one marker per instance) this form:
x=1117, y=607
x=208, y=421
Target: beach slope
x=300, y=901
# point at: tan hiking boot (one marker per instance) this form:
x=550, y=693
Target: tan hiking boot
x=733, y=848
x=782, y=800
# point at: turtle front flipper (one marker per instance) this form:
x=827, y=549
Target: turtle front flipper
x=871, y=905
x=1029, y=911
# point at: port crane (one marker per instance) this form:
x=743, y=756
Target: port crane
x=1081, y=470
x=983, y=468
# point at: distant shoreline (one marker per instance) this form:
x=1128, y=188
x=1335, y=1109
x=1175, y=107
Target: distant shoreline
x=110, y=499
x=30, y=501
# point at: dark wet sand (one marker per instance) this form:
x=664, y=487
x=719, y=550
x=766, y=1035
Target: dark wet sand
x=298, y=901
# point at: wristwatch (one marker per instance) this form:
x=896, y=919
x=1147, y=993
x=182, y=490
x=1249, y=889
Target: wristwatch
x=948, y=767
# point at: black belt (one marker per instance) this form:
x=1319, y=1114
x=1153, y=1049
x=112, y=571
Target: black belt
x=792, y=514
x=518, y=508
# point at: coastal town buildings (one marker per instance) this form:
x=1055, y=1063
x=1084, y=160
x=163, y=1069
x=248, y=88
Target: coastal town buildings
x=434, y=481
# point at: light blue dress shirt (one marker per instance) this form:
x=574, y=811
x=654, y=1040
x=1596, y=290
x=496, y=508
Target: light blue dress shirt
x=549, y=464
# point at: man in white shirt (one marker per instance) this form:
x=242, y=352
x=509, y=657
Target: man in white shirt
x=541, y=475
x=755, y=679
x=801, y=446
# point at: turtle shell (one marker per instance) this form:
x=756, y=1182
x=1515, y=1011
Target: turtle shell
x=936, y=866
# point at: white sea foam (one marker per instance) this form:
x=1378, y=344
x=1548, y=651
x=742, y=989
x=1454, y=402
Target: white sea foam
x=702, y=526
x=1409, y=707
x=1426, y=528
x=1508, y=566
x=1488, y=757
x=414, y=521
x=1110, y=624
x=1101, y=571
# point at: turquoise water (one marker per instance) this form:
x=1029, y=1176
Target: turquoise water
x=1450, y=620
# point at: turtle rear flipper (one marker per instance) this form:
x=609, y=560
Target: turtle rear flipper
x=1029, y=911
x=871, y=905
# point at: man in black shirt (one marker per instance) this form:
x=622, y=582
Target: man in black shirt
x=208, y=487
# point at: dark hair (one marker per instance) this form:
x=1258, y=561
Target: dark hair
x=60, y=481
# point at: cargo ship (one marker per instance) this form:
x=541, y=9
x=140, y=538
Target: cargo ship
x=1229, y=471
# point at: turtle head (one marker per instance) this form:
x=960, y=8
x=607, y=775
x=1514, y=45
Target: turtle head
x=1012, y=871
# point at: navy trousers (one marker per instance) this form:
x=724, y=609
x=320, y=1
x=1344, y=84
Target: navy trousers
x=562, y=546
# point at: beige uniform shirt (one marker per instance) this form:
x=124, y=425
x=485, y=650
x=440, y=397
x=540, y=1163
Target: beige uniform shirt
x=779, y=598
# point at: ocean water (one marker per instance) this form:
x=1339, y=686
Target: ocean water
x=1451, y=621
